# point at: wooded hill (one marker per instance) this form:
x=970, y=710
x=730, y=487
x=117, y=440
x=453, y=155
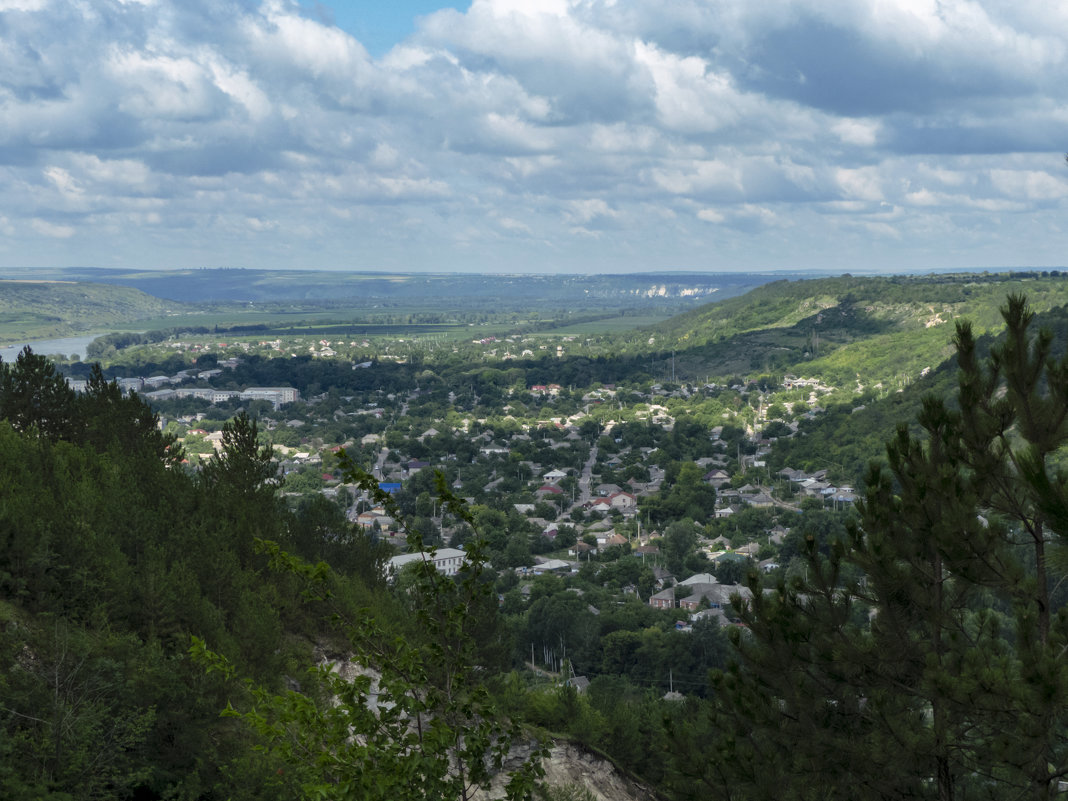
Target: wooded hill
x=451, y=290
x=846, y=330
x=355, y=303
x=37, y=309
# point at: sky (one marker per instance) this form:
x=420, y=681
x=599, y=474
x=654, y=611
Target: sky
x=535, y=136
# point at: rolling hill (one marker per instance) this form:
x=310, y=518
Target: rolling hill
x=39, y=309
x=871, y=331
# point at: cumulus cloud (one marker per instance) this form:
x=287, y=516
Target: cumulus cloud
x=603, y=134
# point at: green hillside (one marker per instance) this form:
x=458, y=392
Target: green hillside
x=42, y=309
x=846, y=330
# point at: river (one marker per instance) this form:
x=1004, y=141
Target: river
x=66, y=346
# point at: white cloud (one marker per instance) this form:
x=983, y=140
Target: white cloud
x=238, y=85
x=584, y=211
x=700, y=177
x=52, y=230
x=865, y=183
x=1029, y=184
x=284, y=37
x=162, y=86
x=526, y=166
x=857, y=132
x=22, y=5
x=62, y=180
x=128, y=172
x=513, y=133
x=522, y=8
x=514, y=225
x=703, y=133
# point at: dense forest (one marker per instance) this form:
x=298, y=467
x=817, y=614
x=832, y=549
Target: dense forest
x=110, y=558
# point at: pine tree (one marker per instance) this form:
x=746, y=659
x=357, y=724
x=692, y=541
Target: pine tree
x=123, y=422
x=35, y=397
x=921, y=657
x=1014, y=421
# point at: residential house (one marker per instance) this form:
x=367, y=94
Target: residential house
x=662, y=576
x=700, y=578
x=812, y=488
x=610, y=538
x=728, y=495
x=717, y=478
x=580, y=549
x=665, y=599
x=717, y=595
x=761, y=500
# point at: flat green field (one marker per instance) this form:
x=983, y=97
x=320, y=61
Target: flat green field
x=391, y=322
x=610, y=325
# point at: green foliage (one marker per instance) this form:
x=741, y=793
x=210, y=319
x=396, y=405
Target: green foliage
x=80, y=726
x=410, y=717
x=678, y=542
x=35, y=398
x=688, y=497
x=109, y=558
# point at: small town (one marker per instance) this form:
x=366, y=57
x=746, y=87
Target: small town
x=533, y=400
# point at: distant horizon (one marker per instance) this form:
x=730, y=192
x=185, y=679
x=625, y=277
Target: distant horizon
x=652, y=272
x=534, y=136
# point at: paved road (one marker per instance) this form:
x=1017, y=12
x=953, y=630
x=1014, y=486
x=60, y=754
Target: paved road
x=586, y=477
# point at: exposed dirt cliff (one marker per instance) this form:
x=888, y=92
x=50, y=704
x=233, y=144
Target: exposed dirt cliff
x=574, y=768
